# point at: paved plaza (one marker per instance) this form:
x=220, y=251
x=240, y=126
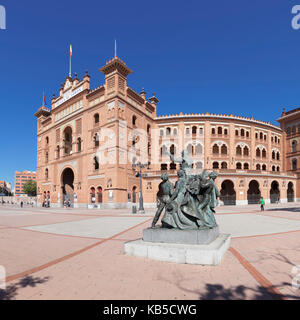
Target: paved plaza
x=78, y=254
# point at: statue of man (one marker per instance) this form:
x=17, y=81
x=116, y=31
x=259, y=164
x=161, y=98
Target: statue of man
x=186, y=163
x=165, y=191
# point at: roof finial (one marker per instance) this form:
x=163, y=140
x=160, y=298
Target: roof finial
x=115, y=48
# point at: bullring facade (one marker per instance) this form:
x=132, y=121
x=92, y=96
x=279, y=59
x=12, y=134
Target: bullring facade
x=89, y=140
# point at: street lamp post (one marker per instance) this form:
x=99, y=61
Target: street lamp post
x=140, y=175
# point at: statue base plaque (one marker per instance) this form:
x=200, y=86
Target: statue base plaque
x=165, y=235
x=202, y=254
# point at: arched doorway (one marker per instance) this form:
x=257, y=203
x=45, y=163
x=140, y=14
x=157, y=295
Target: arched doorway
x=290, y=192
x=253, y=193
x=93, y=195
x=228, y=194
x=99, y=195
x=67, y=179
x=274, y=192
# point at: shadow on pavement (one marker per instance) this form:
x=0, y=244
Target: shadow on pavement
x=12, y=290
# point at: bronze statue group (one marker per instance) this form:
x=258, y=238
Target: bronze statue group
x=190, y=203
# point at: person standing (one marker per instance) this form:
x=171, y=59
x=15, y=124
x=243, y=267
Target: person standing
x=21, y=204
x=262, y=204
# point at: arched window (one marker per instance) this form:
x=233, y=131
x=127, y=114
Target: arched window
x=275, y=139
x=216, y=165
x=134, y=120
x=175, y=131
x=294, y=146
x=163, y=167
x=198, y=149
x=258, y=152
x=161, y=132
x=277, y=156
x=224, y=165
x=47, y=140
x=96, y=118
x=258, y=167
x=261, y=136
x=68, y=140
x=265, y=137
x=46, y=173
x=213, y=131
x=239, y=165
x=246, y=151
x=278, y=169
x=294, y=164
x=246, y=166
x=256, y=135
x=190, y=149
x=236, y=132
x=148, y=128
x=163, y=150
x=273, y=155
x=215, y=149
x=172, y=166
x=273, y=168
x=238, y=151
x=57, y=152
x=47, y=157
x=172, y=149
x=264, y=167
x=96, y=163
x=96, y=140
x=264, y=153
x=194, y=130
x=79, y=144
x=220, y=130
x=242, y=132
x=168, y=131
x=223, y=149
x=225, y=132
x=247, y=134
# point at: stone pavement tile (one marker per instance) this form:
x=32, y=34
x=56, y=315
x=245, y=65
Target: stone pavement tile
x=22, y=250
x=274, y=256
x=253, y=224
x=137, y=232
x=104, y=272
x=286, y=214
x=37, y=219
x=103, y=227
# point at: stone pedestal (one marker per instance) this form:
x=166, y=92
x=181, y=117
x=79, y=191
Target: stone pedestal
x=164, y=235
x=204, y=247
x=203, y=254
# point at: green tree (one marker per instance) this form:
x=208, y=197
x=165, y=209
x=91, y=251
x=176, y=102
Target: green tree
x=29, y=188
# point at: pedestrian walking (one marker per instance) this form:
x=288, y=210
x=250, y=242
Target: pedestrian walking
x=21, y=204
x=262, y=204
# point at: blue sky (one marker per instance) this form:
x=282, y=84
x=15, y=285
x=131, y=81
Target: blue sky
x=233, y=56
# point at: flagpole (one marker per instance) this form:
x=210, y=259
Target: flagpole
x=70, y=72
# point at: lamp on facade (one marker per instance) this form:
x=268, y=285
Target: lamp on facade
x=139, y=166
